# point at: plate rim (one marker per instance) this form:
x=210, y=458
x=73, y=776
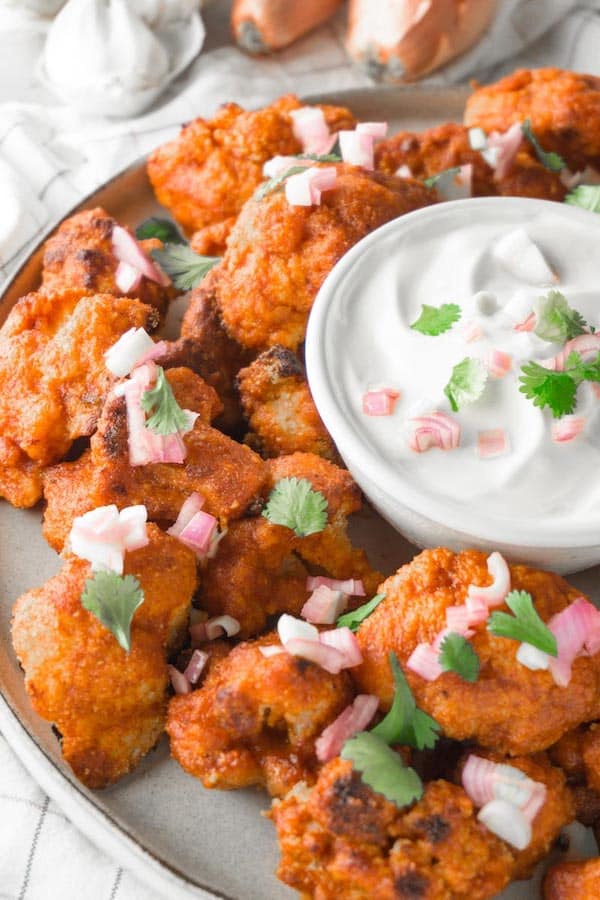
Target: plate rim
x=92, y=820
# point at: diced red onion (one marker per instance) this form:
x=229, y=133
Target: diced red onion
x=178, y=680
x=499, y=363
x=305, y=188
x=353, y=719
x=532, y=658
x=457, y=619
x=379, y=403
x=127, y=278
x=344, y=641
x=587, y=345
x=495, y=593
x=190, y=507
x=357, y=149
x=374, y=129
x=144, y=445
x=323, y=655
x=589, y=175
x=132, y=523
x=507, y=822
x=527, y=324
x=324, y=606
x=435, y=430
x=220, y=625
x=198, y=532
x=290, y=628
x=477, y=139
x=128, y=351
x=157, y=350
x=198, y=633
x=575, y=628
x=129, y=251
x=404, y=171
x=424, y=661
x=196, y=665
x=567, y=428
x=492, y=443
x=478, y=610
x=485, y=781
x=502, y=147
x=272, y=650
x=279, y=165
x=523, y=259
x=310, y=128
x=103, y=535
x=352, y=586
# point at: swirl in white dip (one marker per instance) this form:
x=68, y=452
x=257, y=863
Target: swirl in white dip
x=452, y=258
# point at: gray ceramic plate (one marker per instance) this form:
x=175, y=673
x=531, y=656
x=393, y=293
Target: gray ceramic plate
x=159, y=822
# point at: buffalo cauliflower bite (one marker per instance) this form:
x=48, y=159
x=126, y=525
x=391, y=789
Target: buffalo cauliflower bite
x=205, y=175
x=509, y=708
x=278, y=405
x=278, y=255
x=446, y=146
x=109, y=705
x=228, y=475
x=343, y=839
x=564, y=109
x=573, y=880
x=53, y=379
x=255, y=719
x=578, y=754
x=80, y=256
x=259, y=570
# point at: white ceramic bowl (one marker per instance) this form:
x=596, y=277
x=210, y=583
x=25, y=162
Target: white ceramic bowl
x=425, y=519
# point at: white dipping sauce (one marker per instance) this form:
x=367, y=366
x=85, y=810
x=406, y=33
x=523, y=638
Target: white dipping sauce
x=369, y=344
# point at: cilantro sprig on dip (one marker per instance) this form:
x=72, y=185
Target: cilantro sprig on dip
x=586, y=196
x=467, y=382
x=113, y=599
x=555, y=320
x=558, y=390
x=294, y=504
x=435, y=320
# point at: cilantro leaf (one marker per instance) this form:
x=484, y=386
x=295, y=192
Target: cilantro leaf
x=467, y=382
x=555, y=320
x=383, y=769
x=557, y=390
x=185, y=268
x=167, y=415
x=405, y=723
x=323, y=157
x=436, y=320
x=113, y=599
x=274, y=184
x=295, y=504
x=433, y=179
x=353, y=619
x=583, y=371
x=525, y=625
x=550, y=160
x=163, y=229
x=457, y=655
x=587, y=196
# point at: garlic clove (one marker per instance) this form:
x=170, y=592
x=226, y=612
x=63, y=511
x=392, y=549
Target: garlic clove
x=102, y=58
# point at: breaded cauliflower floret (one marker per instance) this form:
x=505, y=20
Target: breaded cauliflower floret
x=278, y=255
x=53, y=379
x=564, y=109
x=255, y=719
x=509, y=708
x=207, y=173
x=228, y=475
x=573, y=880
x=279, y=407
x=108, y=705
x=80, y=256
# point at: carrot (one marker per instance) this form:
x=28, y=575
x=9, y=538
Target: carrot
x=260, y=26
x=399, y=40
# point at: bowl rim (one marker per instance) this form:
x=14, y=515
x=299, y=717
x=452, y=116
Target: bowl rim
x=351, y=441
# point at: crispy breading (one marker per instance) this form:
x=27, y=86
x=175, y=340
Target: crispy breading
x=278, y=405
x=573, y=880
x=255, y=719
x=259, y=570
x=205, y=175
x=206, y=348
x=53, y=379
x=433, y=151
x=229, y=475
x=80, y=256
x=343, y=839
x=108, y=705
x=578, y=754
x=278, y=255
x=564, y=108
x=509, y=708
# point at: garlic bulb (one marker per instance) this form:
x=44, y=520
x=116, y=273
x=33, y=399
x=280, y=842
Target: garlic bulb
x=103, y=59
x=161, y=12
